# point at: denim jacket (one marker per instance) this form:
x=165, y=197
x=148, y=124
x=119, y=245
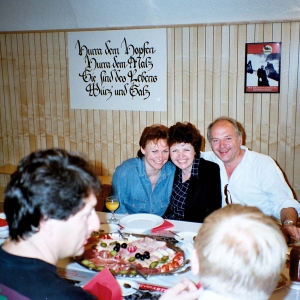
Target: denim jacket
x=132, y=186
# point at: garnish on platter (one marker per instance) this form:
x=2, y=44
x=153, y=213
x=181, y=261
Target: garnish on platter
x=131, y=255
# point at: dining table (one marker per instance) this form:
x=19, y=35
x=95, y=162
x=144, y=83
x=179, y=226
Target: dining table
x=287, y=292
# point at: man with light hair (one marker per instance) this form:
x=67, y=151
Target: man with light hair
x=251, y=178
x=239, y=254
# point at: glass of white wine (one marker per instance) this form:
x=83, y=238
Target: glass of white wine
x=112, y=203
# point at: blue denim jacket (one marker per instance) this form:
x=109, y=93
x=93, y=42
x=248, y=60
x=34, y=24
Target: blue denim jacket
x=132, y=186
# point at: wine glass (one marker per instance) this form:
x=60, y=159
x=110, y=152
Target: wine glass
x=112, y=203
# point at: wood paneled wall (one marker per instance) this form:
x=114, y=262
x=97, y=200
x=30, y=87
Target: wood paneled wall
x=205, y=80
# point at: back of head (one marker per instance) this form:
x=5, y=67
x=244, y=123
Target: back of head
x=241, y=252
x=47, y=184
x=152, y=133
x=185, y=133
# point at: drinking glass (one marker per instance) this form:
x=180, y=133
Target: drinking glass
x=112, y=203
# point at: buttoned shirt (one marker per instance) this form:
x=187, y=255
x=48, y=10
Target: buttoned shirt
x=133, y=187
x=256, y=181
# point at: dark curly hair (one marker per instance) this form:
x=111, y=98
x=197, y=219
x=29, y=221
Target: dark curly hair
x=48, y=184
x=185, y=133
x=152, y=133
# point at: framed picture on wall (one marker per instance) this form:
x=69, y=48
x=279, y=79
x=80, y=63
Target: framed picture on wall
x=262, y=67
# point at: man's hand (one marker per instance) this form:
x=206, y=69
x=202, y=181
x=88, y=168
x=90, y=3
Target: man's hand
x=184, y=290
x=291, y=233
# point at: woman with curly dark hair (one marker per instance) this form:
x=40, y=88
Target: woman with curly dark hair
x=196, y=188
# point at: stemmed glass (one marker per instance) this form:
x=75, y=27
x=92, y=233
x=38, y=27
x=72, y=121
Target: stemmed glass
x=112, y=203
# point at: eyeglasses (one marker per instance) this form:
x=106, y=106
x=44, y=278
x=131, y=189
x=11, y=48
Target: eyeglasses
x=228, y=198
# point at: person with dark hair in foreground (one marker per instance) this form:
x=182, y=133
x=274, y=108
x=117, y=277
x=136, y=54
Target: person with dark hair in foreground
x=239, y=253
x=50, y=210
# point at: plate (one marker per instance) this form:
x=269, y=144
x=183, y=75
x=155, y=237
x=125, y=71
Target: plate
x=187, y=236
x=109, y=228
x=141, y=222
x=126, y=291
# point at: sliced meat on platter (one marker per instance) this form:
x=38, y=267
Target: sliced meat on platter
x=135, y=253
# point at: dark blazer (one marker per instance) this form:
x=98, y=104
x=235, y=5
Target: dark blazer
x=204, y=193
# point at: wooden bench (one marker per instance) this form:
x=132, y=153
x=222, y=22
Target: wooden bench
x=105, y=180
x=7, y=169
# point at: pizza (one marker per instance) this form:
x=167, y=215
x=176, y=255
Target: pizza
x=131, y=255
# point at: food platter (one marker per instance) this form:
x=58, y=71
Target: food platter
x=140, y=222
x=133, y=255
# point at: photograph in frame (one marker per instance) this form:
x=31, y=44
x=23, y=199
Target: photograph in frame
x=262, y=70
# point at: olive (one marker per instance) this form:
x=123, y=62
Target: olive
x=113, y=243
x=100, y=268
x=146, y=255
x=118, y=245
x=113, y=252
x=142, y=257
x=117, y=249
x=147, y=252
x=85, y=262
x=137, y=255
x=103, y=244
x=95, y=234
x=164, y=259
x=124, y=245
x=133, y=272
x=153, y=264
x=91, y=266
x=131, y=259
x=123, y=272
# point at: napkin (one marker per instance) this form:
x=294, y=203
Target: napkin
x=165, y=225
x=104, y=286
x=3, y=222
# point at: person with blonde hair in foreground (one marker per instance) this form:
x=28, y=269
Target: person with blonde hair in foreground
x=239, y=253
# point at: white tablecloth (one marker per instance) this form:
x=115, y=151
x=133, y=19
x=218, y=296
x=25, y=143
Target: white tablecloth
x=285, y=293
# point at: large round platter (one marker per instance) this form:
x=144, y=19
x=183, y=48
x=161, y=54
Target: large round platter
x=164, y=258
x=140, y=222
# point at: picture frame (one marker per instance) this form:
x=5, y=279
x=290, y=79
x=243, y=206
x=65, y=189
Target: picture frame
x=262, y=67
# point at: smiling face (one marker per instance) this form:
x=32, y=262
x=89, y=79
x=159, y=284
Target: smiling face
x=225, y=142
x=78, y=228
x=182, y=155
x=156, y=154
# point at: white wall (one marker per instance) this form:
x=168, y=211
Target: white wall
x=30, y=15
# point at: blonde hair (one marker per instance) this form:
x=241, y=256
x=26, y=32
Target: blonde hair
x=241, y=252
